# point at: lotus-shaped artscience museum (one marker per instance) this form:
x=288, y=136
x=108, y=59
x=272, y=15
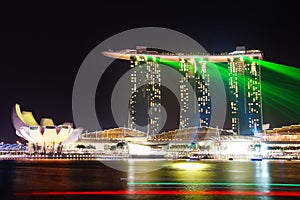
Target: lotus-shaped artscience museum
x=45, y=133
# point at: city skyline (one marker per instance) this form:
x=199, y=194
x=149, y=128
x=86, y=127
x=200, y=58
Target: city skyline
x=67, y=110
x=42, y=50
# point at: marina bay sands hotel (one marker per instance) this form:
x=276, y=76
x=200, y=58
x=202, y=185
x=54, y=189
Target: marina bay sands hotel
x=243, y=82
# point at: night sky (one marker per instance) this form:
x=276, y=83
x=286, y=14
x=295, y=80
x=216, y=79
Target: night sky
x=43, y=46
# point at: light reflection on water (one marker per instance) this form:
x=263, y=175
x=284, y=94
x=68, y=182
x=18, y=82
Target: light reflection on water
x=30, y=176
x=262, y=176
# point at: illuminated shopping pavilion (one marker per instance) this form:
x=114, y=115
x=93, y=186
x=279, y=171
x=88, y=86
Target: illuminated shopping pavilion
x=44, y=134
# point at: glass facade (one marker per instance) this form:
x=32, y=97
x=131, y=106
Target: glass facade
x=194, y=74
x=244, y=91
x=245, y=95
x=146, y=85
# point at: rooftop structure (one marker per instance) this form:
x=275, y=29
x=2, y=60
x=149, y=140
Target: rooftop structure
x=115, y=134
x=191, y=134
x=283, y=134
x=176, y=57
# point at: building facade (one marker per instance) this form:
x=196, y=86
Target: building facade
x=245, y=95
x=244, y=87
x=145, y=87
x=194, y=74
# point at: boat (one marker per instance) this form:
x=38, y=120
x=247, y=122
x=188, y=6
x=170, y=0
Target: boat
x=257, y=158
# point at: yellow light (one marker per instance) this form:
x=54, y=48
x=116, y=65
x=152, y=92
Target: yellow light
x=189, y=166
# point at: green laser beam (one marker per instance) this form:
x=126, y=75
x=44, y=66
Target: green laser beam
x=288, y=71
x=280, y=86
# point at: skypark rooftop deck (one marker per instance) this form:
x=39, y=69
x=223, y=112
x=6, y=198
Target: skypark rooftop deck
x=127, y=54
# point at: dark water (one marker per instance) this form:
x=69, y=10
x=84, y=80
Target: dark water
x=66, y=179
